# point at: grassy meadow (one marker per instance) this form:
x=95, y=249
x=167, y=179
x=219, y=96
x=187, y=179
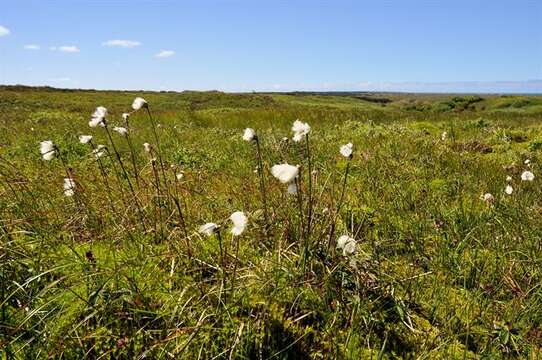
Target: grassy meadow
x=114, y=265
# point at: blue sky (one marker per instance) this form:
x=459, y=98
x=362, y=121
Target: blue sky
x=406, y=45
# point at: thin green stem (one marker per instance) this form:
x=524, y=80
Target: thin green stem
x=262, y=189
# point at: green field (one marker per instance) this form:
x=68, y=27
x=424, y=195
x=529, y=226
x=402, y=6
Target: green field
x=119, y=269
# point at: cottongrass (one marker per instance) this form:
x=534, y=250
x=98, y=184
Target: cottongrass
x=69, y=187
x=527, y=176
x=240, y=221
x=285, y=173
x=85, y=139
x=347, y=244
x=139, y=103
x=208, y=229
x=99, y=151
x=347, y=150
x=48, y=150
x=300, y=130
x=487, y=198
x=249, y=134
x=509, y=189
x=121, y=130
x=98, y=117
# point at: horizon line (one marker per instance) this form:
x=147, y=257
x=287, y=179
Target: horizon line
x=532, y=87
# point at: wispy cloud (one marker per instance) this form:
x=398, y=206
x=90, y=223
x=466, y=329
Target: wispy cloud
x=4, y=31
x=65, y=48
x=31, y=47
x=121, y=43
x=165, y=54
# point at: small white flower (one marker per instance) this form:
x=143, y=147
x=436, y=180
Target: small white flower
x=85, y=139
x=249, y=134
x=285, y=173
x=347, y=245
x=443, y=136
x=527, y=176
x=239, y=221
x=121, y=130
x=147, y=147
x=488, y=198
x=69, y=187
x=208, y=229
x=139, y=103
x=508, y=178
x=292, y=188
x=527, y=161
x=47, y=150
x=99, y=151
x=300, y=129
x=509, y=190
x=125, y=116
x=179, y=176
x=346, y=150
x=98, y=117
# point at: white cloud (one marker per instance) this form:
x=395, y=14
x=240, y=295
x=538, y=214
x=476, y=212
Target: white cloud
x=4, y=31
x=121, y=43
x=165, y=54
x=31, y=47
x=65, y=48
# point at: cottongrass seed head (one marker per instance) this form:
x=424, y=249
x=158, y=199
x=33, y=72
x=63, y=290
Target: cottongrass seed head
x=487, y=198
x=285, y=173
x=47, y=150
x=208, y=229
x=347, y=244
x=508, y=189
x=443, y=136
x=98, y=117
x=240, y=221
x=147, y=147
x=347, y=150
x=99, y=151
x=69, y=187
x=121, y=130
x=139, y=103
x=249, y=134
x=527, y=176
x=85, y=139
x=300, y=129
x=125, y=116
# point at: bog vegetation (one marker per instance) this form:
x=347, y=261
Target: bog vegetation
x=269, y=226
